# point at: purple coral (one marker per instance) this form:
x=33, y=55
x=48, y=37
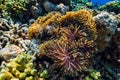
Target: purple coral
x=70, y=61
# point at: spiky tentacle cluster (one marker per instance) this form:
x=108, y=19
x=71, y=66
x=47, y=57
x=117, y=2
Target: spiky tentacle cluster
x=81, y=18
x=71, y=52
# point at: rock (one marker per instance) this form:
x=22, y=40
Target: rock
x=106, y=25
x=36, y=11
x=49, y=6
x=62, y=8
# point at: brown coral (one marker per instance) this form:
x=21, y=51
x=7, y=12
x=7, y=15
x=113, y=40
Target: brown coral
x=36, y=28
x=81, y=18
x=66, y=57
x=71, y=52
x=72, y=33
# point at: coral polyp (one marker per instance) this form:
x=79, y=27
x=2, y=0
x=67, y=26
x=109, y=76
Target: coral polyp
x=72, y=33
x=67, y=58
x=71, y=52
x=69, y=61
x=82, y=18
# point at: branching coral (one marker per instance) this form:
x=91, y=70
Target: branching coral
x=20, y=68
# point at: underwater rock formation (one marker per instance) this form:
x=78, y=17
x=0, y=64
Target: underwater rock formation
x=49, y=6
x=20, y=68
x=106, y=26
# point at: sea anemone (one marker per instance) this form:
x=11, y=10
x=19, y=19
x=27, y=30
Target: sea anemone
x=82, y=18
x=71, y=52
x=67, y=58
x=72, y=33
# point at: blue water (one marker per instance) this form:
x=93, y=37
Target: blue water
x=99, y=2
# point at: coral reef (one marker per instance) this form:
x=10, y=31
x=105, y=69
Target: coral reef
x=10, y=51
x=44, y=24
x=113, y=6
x=81, y=4
x=13, y=8
x=81, y=18
x=26, y=9
x=71, y=52
x=16, y=34
x=70, y=40
x=71, y=36
x=21, y=67
x=106, y=25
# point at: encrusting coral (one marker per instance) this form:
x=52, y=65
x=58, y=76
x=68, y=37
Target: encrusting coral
x=21, y=67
